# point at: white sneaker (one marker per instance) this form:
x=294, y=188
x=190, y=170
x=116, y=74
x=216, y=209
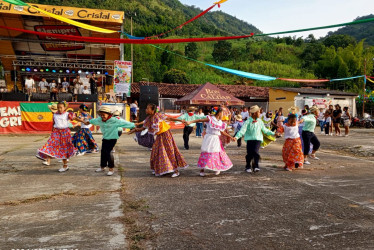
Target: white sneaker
x=153, y=172
x=62, y=160
x=306, y=163
x=110, y=173
x=100, y=170
x=313, y=157
x=257, y=170
x=175, y=175
x=63, y=169
x=248, y=170
x=217, y=172
x=135, y=139
x=288, y=169
x=46, y=163
x=202, y=174
x=81, y=154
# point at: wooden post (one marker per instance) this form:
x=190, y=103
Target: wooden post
x=363, y=97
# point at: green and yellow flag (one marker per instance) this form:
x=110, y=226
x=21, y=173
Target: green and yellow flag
x=36, y=116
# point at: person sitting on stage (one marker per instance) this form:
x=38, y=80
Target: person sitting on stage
x=53, y=90
x=86, y=91
x=65, y=85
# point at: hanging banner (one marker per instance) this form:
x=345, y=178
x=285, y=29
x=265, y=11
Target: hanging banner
x=122, y=77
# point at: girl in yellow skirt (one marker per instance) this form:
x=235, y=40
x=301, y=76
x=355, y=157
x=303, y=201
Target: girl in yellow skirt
x=292, y=152
x=165, y=156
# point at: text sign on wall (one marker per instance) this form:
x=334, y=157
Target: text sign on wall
x=10, y=117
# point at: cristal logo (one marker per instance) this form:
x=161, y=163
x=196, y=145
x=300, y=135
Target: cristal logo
x=69, y=12
x=19, y=8
x=116, y=17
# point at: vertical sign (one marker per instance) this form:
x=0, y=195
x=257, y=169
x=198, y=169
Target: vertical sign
x=122, y=77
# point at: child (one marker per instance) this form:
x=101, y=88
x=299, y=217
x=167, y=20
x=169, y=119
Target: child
x=238, y=125
x=83, y=140
x=280, y=120
x=252, y=130
x=327, y=122
x=59, y=145
x=292, y=151
x=267, y=119
x=165, y=156
x=213, y=156
x=109, y=127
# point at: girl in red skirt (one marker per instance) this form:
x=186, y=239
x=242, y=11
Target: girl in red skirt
x=292, y=152
x=165, y=156
x=59, y=145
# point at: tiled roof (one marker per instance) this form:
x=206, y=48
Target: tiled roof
x=180, y=90
x=317, y=91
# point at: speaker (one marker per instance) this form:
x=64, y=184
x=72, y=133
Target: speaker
x=87, y=98
x=39, y=97
x=20, y=97
x=108, y=80
x=65, y=97
x=148, y=94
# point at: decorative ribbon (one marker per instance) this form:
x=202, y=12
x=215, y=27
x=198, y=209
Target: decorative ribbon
x=368, y=78
x=128, y=41
x=347, y=78
x=243, y=74
x=63, y=19
x=304, y=80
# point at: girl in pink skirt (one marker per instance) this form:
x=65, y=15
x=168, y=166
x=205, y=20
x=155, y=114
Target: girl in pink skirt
x=213, y=155
x=59, y=145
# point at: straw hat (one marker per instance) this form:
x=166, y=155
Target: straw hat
x=116, y=113
x=293, y=110
x=191, y=109
x=53, y=108
x=105, y=110
x=313, y=109
x=238, y=118
x=254, y=109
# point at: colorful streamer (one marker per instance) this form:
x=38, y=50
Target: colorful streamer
x=243, y=74
x=189, y=21
x=368, y=78
x=16, y=2
x=128, y=41
x=347, y=78
x=304, y=80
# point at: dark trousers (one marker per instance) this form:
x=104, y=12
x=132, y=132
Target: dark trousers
x=308, y=138
x=106, y=149
x=239, y=141
x=186, y=136
x=253, y=148
x=199, y=128
x=53, y=96
x=327, y=128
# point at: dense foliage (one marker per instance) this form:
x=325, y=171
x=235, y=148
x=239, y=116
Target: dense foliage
x=341, y=54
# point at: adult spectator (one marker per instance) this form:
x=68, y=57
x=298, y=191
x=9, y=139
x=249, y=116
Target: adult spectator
x=245, y=114
x=347, y=120
x=43, y=86
x=134, y=110
x=336, y=119
x=308, y=134
x=321, y=120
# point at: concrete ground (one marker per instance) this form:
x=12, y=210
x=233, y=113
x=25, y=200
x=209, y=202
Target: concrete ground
x=327, y=205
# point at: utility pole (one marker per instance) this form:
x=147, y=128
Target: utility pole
x=363, y=98
x=132, y=55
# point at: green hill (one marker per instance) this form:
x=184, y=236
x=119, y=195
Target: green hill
x=359, y=31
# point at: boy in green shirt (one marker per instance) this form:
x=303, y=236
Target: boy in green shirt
x=189, y=116
x=252, y=130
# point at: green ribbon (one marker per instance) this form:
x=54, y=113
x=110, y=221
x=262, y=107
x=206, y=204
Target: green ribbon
x=16, y=2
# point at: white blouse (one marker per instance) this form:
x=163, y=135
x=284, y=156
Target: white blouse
x=291, y=132
x=61, y=121
x=214, y=127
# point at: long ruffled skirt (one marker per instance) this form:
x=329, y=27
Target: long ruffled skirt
x=165, y=156
x=292, y=153
x=58, y=146
x=83, y=140
x=213, y=155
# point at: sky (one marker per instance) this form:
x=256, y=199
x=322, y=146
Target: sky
x=281, y=15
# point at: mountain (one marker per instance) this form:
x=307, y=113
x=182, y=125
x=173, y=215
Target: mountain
x=358, y=31
x=157, y=16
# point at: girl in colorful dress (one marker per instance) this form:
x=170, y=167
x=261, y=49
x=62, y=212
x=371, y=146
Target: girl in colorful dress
x=59, y=145
x=280, y=121
x=109, y=127
x=83, y=140
x=213, y=156
x=267, y=119
x=165, y=156
x=292, y=151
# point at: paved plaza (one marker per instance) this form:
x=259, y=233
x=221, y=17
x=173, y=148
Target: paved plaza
x=327, y=205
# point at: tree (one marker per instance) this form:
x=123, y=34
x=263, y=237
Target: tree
x=175, y=76
x=191, y=51
x=339, y=41
x=222, y=51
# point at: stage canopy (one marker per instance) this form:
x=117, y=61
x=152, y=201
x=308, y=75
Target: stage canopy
x=209, y=94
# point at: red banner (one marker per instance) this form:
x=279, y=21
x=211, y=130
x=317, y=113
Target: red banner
x=10, y=117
